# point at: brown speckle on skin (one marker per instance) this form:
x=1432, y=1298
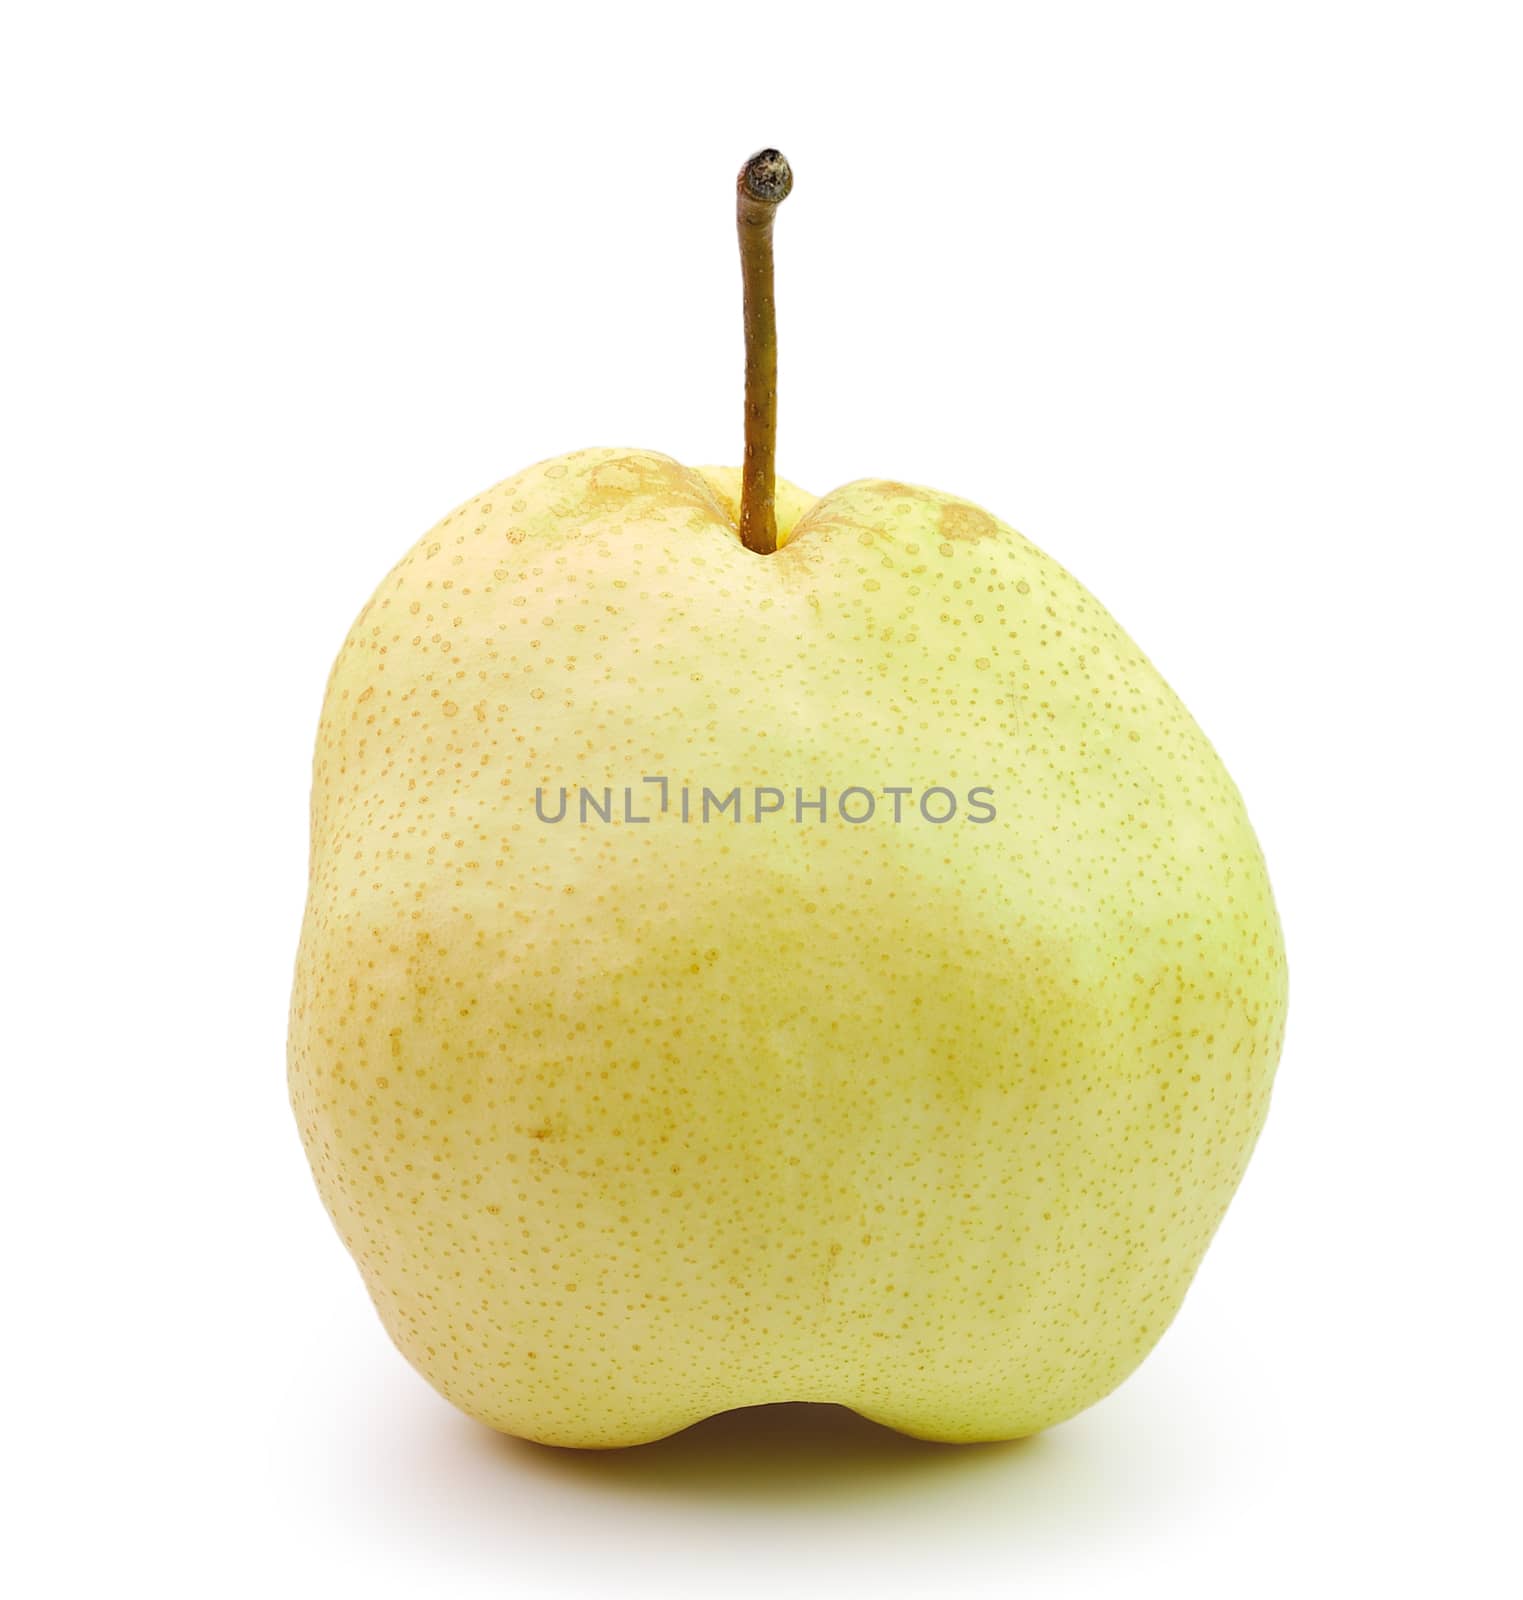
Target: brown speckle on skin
x=962, y=521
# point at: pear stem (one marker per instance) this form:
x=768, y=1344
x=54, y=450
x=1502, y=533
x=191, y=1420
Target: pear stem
x=762, y=186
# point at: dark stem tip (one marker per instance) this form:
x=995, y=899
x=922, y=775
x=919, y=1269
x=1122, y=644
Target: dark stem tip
x=767, y=177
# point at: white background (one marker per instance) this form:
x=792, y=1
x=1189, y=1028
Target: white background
x=1218, y=303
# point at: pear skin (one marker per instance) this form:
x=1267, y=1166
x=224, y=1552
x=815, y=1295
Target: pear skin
x=629, y=1123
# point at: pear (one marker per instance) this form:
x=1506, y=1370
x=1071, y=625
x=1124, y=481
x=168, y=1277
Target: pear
x=886, y=1018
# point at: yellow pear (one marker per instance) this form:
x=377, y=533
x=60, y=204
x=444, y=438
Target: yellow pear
x=834, y=970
